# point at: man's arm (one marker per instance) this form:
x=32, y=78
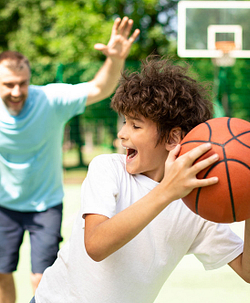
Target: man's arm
x=104, y=236
x=116, y=51
x=241, y=265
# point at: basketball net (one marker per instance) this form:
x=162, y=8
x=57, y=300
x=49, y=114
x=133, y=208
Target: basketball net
x=226, y=59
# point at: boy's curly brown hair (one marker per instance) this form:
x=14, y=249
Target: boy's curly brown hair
x=164, y=93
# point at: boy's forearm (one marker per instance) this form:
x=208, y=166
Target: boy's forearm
x=241, y=265
x=112, y=234
x=246, y=252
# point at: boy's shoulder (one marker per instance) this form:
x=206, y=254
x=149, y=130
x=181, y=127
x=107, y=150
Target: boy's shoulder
x=107, y=169
x=114, y=166
x=108, y=161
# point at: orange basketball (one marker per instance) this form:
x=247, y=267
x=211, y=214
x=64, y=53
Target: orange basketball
x=228, y=200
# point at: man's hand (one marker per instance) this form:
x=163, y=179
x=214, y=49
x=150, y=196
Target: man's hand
x=119, y=44
x=116, y=51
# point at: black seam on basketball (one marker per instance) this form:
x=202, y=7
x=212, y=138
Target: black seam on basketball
x=225, y=160
x=210, y=131
x=202, y=141
x=229, y=127
x=200, y=188
x=221, y=144
x=229, y=185
x=236, y=138
x=238, y=161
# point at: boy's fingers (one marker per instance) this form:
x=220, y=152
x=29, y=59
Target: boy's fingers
x=206, y=182
x=200, y=165
x=196, y=152
x=206, y=162
x=173, y=154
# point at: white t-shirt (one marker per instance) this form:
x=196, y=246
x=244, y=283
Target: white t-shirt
x=136, y=272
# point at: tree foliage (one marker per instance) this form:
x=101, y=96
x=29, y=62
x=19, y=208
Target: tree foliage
x=49, y=31
x=55, y=32
x=58, y=37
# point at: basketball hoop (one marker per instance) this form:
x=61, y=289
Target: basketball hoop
x=226, y=47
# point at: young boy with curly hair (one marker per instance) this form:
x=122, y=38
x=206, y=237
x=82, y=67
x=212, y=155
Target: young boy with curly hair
x=133, y=228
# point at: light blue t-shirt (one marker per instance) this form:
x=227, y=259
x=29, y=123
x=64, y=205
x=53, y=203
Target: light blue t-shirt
x=31, y=146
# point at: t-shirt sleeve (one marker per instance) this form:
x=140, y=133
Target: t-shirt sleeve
x=216, y=245
x=68, y=100
x=100, y=188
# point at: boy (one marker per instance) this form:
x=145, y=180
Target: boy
x=133, y=227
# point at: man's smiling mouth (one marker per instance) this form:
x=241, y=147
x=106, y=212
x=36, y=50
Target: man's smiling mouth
x=15, y=100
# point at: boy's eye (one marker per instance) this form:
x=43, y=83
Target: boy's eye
x=135, y=126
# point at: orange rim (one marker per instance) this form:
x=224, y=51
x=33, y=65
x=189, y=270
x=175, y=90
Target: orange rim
x=225, y=46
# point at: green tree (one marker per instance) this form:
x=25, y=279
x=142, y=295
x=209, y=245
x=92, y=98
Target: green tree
x=49, y=31
x=58, y=37
x=155, y=19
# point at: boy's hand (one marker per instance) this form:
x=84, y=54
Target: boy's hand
x=180, y=172
x=119, y=44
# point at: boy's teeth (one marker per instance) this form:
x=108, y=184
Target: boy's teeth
x=131, y=153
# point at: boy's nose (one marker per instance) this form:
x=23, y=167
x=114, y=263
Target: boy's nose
x=122, y=133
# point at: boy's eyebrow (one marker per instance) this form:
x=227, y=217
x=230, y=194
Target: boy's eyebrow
x=134, y=118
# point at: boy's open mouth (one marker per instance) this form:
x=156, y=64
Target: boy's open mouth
x=131, y=153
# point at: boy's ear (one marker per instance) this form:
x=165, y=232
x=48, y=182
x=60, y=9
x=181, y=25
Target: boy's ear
x=174, y=138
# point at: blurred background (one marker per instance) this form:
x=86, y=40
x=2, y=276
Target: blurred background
x=58, y=37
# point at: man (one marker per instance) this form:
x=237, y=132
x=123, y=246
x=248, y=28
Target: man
x=32, y=120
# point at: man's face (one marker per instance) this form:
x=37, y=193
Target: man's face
x=14, y=84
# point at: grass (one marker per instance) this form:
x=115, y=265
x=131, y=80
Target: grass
x=189, y=283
